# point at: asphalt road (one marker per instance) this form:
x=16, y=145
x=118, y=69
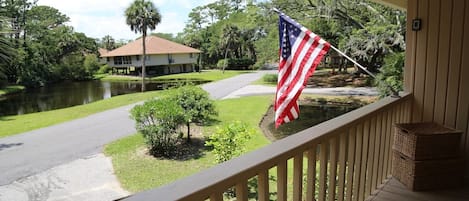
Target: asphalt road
x=33, y=152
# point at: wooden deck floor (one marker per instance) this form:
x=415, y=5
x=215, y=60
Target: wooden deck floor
x=395, y=191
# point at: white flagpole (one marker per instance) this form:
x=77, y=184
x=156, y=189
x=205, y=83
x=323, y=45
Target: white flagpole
x=394, y=92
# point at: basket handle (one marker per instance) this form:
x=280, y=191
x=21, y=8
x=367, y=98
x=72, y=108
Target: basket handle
x=405, y=131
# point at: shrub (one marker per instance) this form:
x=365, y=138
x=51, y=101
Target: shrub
x=270, y=78
x=91, y=63
x=236, y=63
x=229, y=141
x=196, y=103
x=158, y=120
x=104, y=69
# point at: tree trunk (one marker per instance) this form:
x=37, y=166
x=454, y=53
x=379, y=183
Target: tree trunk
x=188, y=124
x=143, y=59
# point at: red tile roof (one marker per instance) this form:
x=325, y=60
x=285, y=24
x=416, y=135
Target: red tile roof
x=102, y=51
x=154, y=45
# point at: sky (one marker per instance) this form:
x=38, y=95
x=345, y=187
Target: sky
x=97, y=18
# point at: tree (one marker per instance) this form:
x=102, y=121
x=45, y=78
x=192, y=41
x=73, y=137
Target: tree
x=141, y=16
x=391, y=74
x=158, y=120
x=7, y=53
x=196, y=103
x=108, y=42
x=91, y=64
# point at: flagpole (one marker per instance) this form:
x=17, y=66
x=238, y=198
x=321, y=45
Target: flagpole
x=394, y=92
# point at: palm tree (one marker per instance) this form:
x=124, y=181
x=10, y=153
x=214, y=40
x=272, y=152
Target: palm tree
x=141, y=16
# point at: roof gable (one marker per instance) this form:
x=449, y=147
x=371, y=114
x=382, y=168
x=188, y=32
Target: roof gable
x=154, y=45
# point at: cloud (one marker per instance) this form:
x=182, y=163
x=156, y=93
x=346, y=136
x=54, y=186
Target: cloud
x=97, y=18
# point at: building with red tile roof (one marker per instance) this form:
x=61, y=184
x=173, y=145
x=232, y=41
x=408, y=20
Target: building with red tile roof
x=163, y=57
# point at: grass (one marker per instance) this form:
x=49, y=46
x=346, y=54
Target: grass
x=208, y=75
x=137, y=171
x=12, y=125
x=11, y=89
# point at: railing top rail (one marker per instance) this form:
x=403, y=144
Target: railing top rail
x=227, y=174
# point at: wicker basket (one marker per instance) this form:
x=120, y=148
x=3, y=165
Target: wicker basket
x=420, y=141
x=429, y=174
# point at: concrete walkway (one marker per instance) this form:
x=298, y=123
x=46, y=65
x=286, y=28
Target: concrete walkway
x=338, y=91
x=90, y=179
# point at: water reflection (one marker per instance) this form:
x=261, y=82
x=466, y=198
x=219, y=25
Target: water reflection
x=69, y=94
x=311, y=115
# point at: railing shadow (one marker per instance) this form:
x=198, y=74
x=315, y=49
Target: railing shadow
x=6, y=146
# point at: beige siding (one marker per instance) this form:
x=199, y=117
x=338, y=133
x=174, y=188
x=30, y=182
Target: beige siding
x=437, y=65
x=158, y=60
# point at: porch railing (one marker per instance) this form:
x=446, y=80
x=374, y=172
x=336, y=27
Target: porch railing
x=345, y=158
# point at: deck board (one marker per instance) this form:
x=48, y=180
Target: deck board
x=395, y=191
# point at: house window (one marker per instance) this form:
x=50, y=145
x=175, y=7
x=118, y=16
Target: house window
x=127, y=60
x=108, y=59
x=137, y=57
x=191, y=55
x=122, y=60
x=118, y=60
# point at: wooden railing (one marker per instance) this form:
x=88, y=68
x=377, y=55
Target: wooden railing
x=345, y=158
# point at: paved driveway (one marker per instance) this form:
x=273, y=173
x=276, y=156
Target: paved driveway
x=26, y=158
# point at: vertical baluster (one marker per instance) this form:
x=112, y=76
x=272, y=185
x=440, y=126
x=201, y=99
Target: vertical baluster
x=342, y=166
x=369, y=162
x=358, y=163
x=298, y=177
x=382, y=147
x=387, y=145
x=391, y=140
x=322, y=170
x=311, y=188
x=242, y=191
x=282, y=181
x=350, y=163
x=332, y=169
x=376, y=158
x=366, y=136
x=263, y=185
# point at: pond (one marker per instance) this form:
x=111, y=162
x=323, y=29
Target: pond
x=310, y=115
x=68, y=94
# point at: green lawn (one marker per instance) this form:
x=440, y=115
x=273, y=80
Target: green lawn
x=137, y=171
x=11, y=125
x=208, y=75
x=11, y=89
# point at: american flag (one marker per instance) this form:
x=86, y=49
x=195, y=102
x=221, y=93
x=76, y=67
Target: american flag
x=300, y=52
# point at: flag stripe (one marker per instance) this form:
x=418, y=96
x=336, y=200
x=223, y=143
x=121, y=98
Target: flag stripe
x=300, y=52
x=297, y=84
x=298, y=67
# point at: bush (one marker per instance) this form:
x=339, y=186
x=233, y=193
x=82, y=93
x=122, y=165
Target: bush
x=91, y=63
x=236, y=63
x=104, y=69
x=158, y=120
x=270, y=78
x=229, y=141
x=196, y=103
